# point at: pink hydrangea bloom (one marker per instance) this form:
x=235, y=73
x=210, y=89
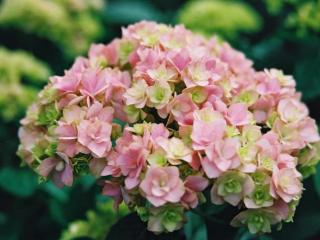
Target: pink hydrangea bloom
x=208, y=126
x=161, y=114
x=161, y=185
x=287, y=183
x=95, y=131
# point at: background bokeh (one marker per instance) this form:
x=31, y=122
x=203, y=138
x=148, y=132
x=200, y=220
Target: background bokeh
x=39, y=38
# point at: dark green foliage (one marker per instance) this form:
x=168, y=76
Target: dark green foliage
x=195, y=227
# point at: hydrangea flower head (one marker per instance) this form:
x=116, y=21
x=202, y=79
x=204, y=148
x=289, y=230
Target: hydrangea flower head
x=197, y=117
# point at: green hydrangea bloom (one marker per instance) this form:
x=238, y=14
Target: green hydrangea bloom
x=230, y=183
x=71, y=25
x=257, y=220
x=225, y=18
x=167, y=218
x=306, y=18
x=80, y=164
x=97, y=224
x=20, y=74
x=308, y=159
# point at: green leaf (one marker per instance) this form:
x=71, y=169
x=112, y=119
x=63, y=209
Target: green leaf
x=57, y=193
x=195, y=228
x=19, y=182
x=307, y=71
x=316, y=180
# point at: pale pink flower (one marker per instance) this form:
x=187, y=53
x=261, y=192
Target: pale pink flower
x=308, y=130
x=118, y=82
x=137, y=94
x=269, y=145
x=182, y=109
x=68, y=143
x=158, y=131
x=296, y=136
x=210, y=168
x=179, y=59
x=93, y=82
x=175, y=150
x=28, y=138
x=131, y=161
x=287, y=183
x=286, y=161
x=162, y=73
x=111, y=52
x=69, y=99
x=95, y=135
x=106, y=54
x=200, y=73
x=69, y=83
x=291, y=110
x=66, y=84
x=263, y=107
x=162, y=185
x=112, y=168
x=267, y=85
x=235, y=59
x=95, y=132
x=208, y=126
x=238, y=114
x=224, y=154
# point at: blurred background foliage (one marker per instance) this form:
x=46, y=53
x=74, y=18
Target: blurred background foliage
x=41, y=37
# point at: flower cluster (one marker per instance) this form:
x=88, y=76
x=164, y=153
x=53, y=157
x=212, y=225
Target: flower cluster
x=198, y=118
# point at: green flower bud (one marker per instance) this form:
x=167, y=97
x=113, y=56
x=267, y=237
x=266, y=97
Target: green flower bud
x=308, y=158
x=292, y=209
x=48, y=115
x=267, y=163
x=80, y=164
x=259, y=178
x=116, y=131
x=157, y=159
x=134, y=114
x=166, y=219
x=247, y=97
x=186, y=170
x=48, y=95
x=39, y=150
x=143, y=213
x=126, y=47
x=159, y=94
x=257, y=220
x=51, y=150
x=261, y=195
x=172, y=219
x=271, y=120
x=199, y=95
x=230, y=183
x=232, y=131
